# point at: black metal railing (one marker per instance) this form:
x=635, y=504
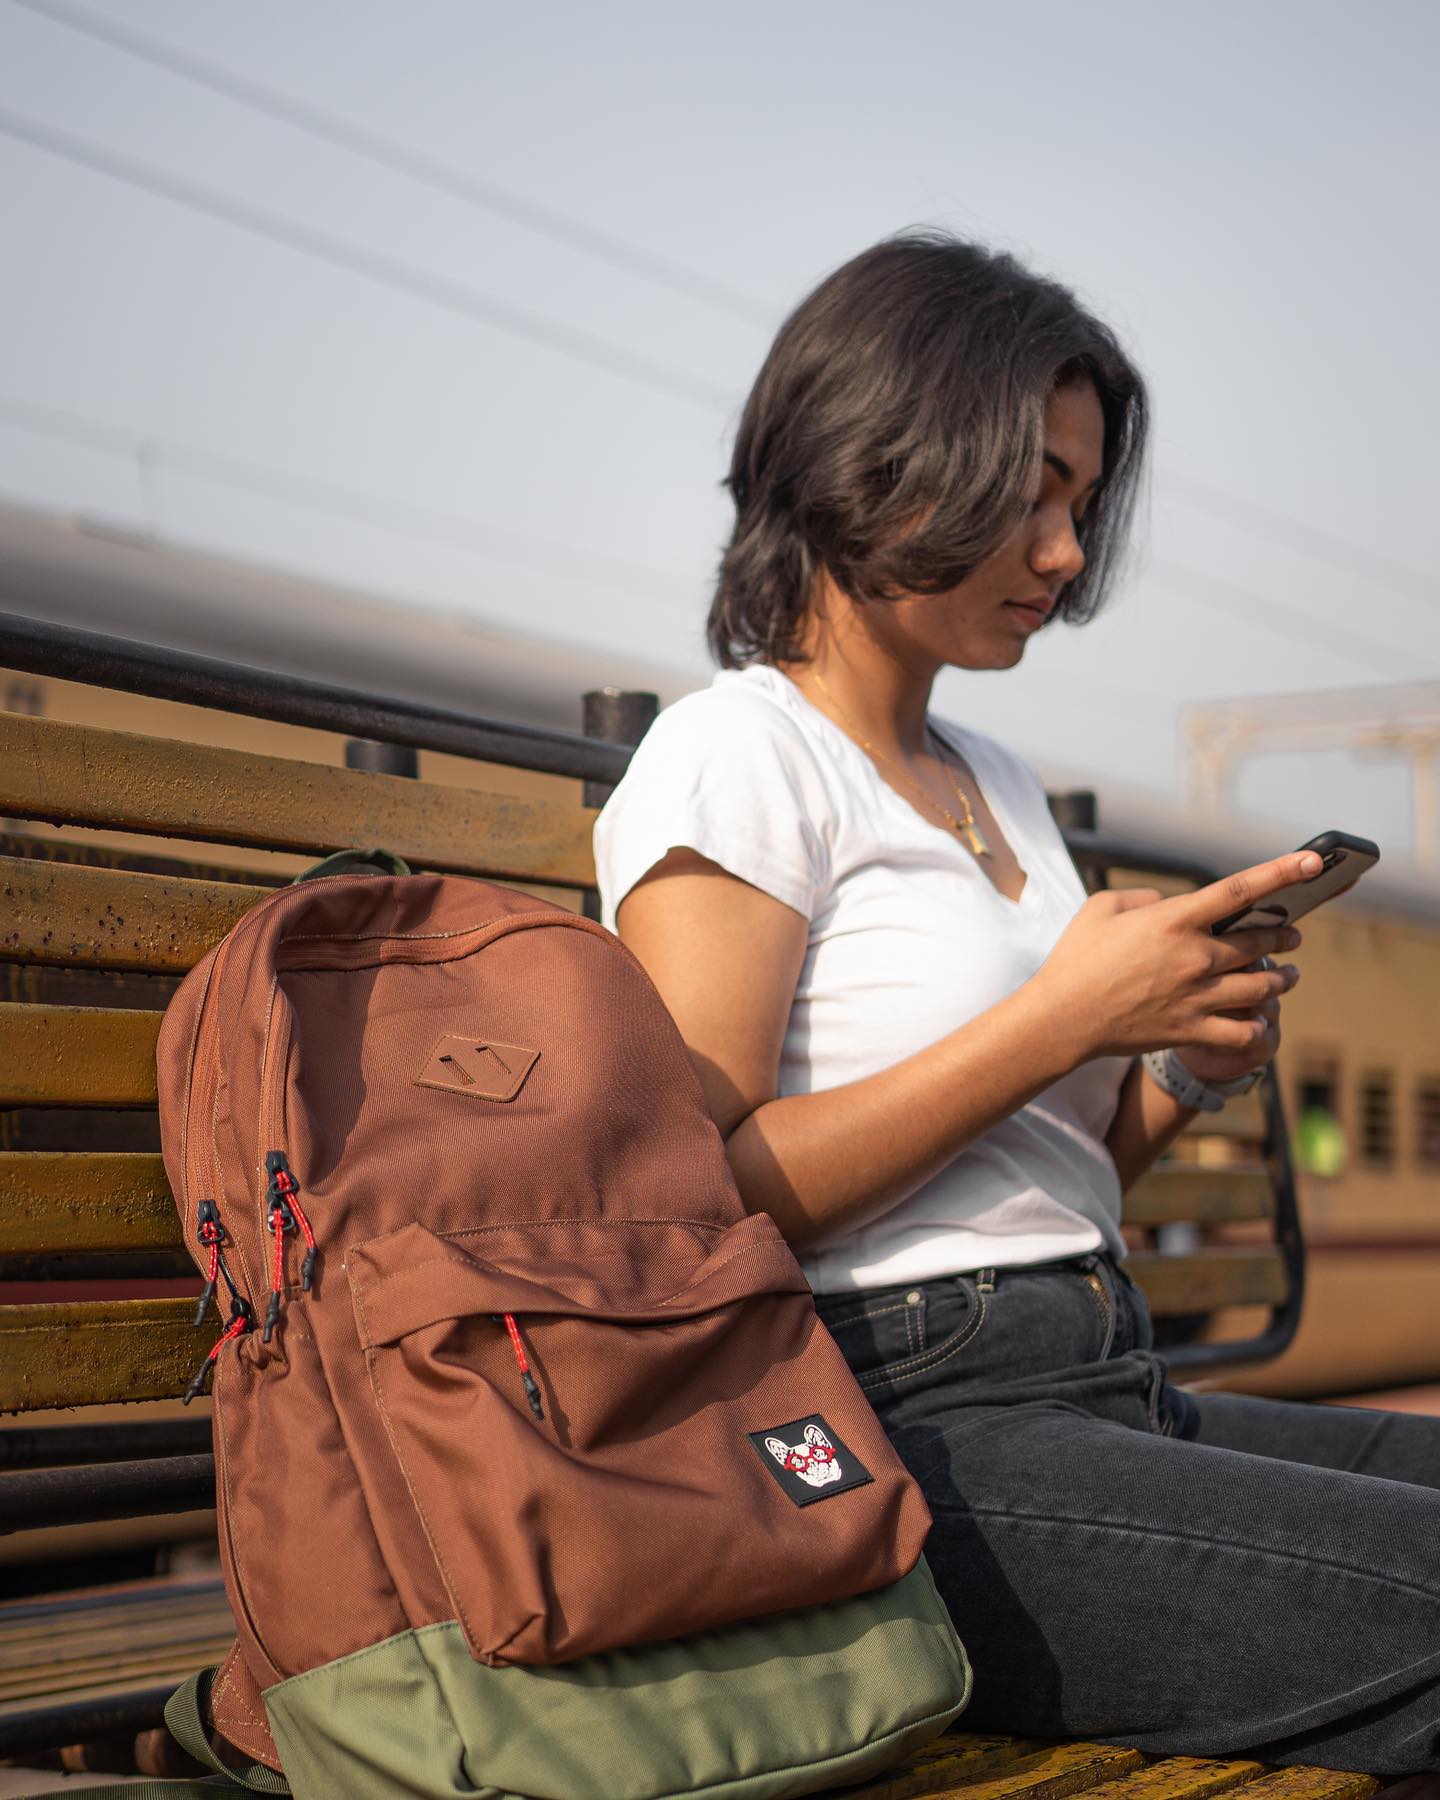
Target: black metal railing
x=98, y=660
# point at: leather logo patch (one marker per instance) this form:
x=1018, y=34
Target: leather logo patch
x=809, y=1461
x=479, y=1067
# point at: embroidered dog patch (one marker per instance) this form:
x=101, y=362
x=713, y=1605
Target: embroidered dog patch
x=809, y=1460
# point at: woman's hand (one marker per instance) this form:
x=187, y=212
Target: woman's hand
x=1135, y=972
x=1230, y=1065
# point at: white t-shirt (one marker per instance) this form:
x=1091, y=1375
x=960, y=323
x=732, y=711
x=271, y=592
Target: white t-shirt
x=908, y=940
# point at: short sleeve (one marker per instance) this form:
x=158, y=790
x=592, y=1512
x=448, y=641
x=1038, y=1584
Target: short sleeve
x=728, y=775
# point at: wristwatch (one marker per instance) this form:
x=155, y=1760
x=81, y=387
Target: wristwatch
x=1166, y=1070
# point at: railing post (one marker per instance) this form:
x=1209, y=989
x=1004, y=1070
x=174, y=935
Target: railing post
x=382, y=759
x=1077, y=810
x=619, y=717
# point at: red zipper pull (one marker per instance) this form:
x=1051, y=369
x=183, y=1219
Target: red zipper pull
x=285, y=1215
x=527, y=1380
x=286, y=1188
x=279, y=1220
x=213, y=1235
x=241, y=1319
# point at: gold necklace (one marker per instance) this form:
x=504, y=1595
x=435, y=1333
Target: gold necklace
x=964, y=826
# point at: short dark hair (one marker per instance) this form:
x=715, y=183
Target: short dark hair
x=911, y=386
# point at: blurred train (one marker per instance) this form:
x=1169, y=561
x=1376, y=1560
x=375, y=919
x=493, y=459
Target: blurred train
x=1360, y=1065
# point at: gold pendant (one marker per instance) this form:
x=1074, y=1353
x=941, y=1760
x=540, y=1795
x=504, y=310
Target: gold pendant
x=978, y=846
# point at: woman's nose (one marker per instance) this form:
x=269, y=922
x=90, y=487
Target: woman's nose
x=1055, y=551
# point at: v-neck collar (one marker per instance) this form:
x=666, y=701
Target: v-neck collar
x=955, y=738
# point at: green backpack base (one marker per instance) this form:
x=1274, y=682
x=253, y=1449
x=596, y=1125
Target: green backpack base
x=765, y=1710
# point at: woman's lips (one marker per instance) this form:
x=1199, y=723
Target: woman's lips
x=1033, y=612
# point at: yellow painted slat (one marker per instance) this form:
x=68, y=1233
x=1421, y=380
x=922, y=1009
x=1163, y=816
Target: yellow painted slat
x=1179, y=1778
x=181, y=1669
x=106, y=1350
x=1048, y=1775
x=53, y=1201
x=947, y=1764
x=142, y=1667
x=1208, y=1279
x=1199, y=1196
x=78, y=917
x=78, y=775
x=77, y=1056
x=1303, y=1782
x=70, y=1633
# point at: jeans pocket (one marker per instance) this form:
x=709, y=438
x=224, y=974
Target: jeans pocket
x=905, y=1333
x=877, y=1329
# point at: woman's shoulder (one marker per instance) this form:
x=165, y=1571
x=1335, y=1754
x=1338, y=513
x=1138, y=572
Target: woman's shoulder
x=728, y=771
x=759, y=698
x=750, y=717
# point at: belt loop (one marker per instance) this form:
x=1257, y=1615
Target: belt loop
x=985, y=1281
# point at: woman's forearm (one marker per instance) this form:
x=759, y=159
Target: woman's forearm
x=1146, y=1121
x=821, y=1163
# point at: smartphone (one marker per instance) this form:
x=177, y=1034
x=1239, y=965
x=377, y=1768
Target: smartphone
x=1344, y=860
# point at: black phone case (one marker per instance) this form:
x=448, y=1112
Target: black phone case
x=1346, y=859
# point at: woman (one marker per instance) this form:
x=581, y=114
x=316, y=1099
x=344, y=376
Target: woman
x=923, y=1045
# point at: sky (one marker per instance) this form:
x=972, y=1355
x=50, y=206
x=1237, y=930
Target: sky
x=502, y=377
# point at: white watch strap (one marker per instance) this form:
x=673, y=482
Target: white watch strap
x=1166, y=1069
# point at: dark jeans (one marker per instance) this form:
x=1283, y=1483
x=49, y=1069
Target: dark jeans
x=1199, y=1574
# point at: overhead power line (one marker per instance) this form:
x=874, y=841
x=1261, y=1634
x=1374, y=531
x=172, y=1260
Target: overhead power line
x=404, y=159
x=372, y=265
x=150, y=454
x=1308, y=540
x=1287, y=621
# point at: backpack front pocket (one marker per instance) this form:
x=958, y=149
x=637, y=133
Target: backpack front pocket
x=617, y=1432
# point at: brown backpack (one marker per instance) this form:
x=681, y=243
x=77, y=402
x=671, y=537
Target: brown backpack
x=502, y=1353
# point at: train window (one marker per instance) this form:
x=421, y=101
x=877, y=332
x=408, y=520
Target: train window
x=1317, y=1094
x=1319, y=1142
x=1377, y=1119
x=1427, y=1122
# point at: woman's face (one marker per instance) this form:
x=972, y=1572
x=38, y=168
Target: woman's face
x=986, y=622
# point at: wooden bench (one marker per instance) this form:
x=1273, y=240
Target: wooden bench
x=74, y=1666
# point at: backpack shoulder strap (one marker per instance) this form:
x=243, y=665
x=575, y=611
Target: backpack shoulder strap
x=185, y=1717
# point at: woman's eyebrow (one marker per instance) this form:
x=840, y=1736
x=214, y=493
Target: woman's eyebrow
x=1065, y=472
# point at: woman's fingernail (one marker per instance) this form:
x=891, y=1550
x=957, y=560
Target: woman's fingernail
x=1310, y=863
